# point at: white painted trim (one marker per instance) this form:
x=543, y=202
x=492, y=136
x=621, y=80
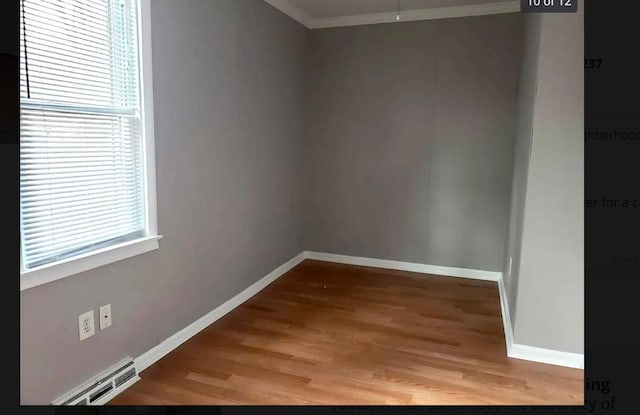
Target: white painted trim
x=533, y=354
x=286, y=7
x=548, y=356
x=157, y=352
x=51, y=272
x=530, y=353
x=420, y=14
x=301, y=17
x=405, y=266
x=516, y=351
x=506, y=317
x=146, y=105
x=292, y=11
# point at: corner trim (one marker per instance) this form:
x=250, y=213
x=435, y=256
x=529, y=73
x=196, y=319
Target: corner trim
x=405, y=266
x=159, y=351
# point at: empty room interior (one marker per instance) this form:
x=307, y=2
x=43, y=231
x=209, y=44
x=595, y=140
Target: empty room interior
x=300, y=202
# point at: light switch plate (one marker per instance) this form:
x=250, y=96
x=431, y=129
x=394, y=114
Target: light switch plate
x=86, y=325
x=105, y=316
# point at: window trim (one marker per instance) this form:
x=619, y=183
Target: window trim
x=36, y=276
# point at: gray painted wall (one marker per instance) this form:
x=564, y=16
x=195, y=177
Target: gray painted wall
x=228, y=120
x=550, y=288
x=410, y=140
x=522, y=152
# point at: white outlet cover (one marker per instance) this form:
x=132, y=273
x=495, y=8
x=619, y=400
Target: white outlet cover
x=105, y=316
x=510, y=264
x=86, y=326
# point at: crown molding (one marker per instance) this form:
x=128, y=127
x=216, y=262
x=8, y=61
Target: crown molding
x=292, y=11
x=405, y=16
x=420, y=14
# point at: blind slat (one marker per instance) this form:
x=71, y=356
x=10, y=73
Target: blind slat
x=76, y=217
x=83, y=245
x=71, y=234
x=81, y=182
x=73, y=209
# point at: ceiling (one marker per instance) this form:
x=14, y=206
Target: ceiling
x=331, y=13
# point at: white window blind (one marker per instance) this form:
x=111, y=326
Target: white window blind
x=81, y=154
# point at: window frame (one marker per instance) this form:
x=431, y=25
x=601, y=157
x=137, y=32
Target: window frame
x=33, y=277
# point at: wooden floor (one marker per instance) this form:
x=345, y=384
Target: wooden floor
x=338, y=334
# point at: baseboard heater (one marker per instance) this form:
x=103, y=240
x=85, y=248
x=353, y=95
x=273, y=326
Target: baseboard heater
x=104, y=386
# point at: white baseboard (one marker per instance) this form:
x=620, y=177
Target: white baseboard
x=533, y=354
x=506, y=317
x=530, y=353
x=156, y=353
x=405, y=266
x=548, y=356
x=515, y=351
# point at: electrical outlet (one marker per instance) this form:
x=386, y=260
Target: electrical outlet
x=105, y=316
x=86, y=325
x=510, y=264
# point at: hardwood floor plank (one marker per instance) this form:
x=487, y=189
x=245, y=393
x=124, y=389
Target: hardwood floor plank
x=336, y=334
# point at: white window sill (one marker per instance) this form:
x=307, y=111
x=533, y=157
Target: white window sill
x=61, y=269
